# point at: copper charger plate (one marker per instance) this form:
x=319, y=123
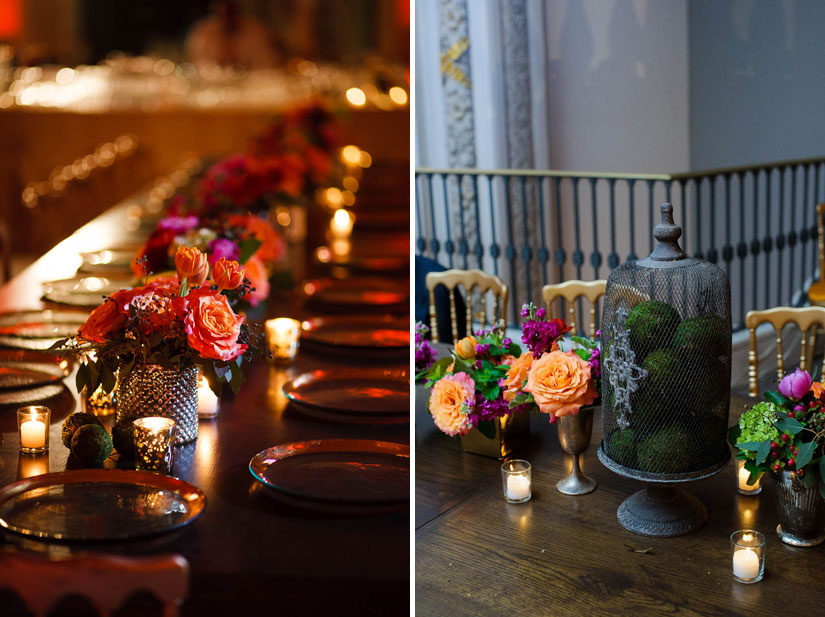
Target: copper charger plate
x=358, y=332
x=98, y=505
x=357, y=293
x=347, y=476
x=30, y=376
x=353, y=396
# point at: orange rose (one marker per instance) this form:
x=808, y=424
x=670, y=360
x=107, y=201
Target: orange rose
x=192, y=265
x=466, y=348
x=516, y=375
x=227, y=274
x=817, y=388
x=452, y=398
x=104, y=320
x=212, y=327
x=560, y=383
x=256, y=273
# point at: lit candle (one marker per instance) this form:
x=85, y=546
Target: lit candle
x=207, y=400
x=154, y=437
x=745, y=563
x=742, y=480
x=518, y=487
x=341, y=224
x=33, y=428
x=33, y=434
x=282, y=338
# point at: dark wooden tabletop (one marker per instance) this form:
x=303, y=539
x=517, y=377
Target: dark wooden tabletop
x=477, y=555
x=249, y=553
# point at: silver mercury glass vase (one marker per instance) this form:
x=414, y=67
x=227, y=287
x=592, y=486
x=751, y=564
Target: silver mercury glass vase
x=801, y=511
x=151, y=390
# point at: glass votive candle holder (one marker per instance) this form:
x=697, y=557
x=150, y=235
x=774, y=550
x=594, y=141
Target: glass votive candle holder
x=33, y=427
x=154, y=439
x=282, y=336
x=208, y=401
x=742, y=476
x=748, y=555
x=516, y=481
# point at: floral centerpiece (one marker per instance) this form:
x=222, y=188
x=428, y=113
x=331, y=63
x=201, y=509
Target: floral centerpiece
x=784, y=436
x=548, y=378
x=468, y=387
x=245, y=238
x=164, y=332
x=785, y=432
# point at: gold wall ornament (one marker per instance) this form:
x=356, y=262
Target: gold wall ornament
x=448, y=59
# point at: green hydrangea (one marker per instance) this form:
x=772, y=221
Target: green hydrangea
x=756, y=424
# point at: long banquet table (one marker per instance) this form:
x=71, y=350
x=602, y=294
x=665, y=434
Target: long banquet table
x=477, y=555
x=248, y=552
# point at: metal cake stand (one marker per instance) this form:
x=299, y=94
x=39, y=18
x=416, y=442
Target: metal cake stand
x=661, y=509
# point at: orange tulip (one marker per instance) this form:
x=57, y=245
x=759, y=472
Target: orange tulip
x=227, y=274
x=192, y=265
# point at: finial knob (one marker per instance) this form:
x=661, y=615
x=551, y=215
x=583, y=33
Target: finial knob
x=667, y=235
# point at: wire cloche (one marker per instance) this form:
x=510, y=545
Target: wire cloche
x=666, y=348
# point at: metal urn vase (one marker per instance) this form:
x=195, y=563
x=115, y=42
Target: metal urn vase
x=801, y=511
x=666, y=348
x=574, y=437
x=151, y=390
x=511, y=433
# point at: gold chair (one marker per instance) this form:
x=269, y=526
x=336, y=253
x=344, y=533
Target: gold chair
x=572, y=291
x=816, y=292
x=469, y=279
x=808, y=319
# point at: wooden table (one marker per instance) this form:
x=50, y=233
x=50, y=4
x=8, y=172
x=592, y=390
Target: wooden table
x=249, y=554
x=558, y=555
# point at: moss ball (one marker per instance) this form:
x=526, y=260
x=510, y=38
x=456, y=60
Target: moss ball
x=123, y=438
x=705, y=382
x=668, y=450
x=658, y=392
x=706, y=334
x=74, y=422
x=91, y=444
x=621, y=447
x=652, y=324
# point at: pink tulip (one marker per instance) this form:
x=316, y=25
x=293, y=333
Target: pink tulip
x=795, y=386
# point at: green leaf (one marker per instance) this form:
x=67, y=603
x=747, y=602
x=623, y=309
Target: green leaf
x=81, y=380
x=462, y=366
x=57, y=344
x=809, y=479
x=584, y=342
x=788, y=425
x=584, y=354
x=236, y=381
x=107, y=377
x=752, y=446
x=776, y=398
x=822, y=468
x=491, y=391
x=733, y=434
x=184, y=288
x=763, y=451
x=805, y=454
x=248, y=247
x=822, y=489
x=488, y=429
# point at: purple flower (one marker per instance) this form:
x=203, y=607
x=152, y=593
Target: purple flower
x=541, y=313
x=795, y=386
x=507, y=342
x=178, y=224
x=598, y=333
x=595, y=363
x=539, y=336
x=424, y=356
x=525, y=310
x=799, y=408
x=221, y=247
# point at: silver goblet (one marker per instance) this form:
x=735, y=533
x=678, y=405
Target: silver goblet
x=574, y=436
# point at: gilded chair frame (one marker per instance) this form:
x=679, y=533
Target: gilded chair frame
x=808, y=319
x=469, y=280
x=816, y=292
x=572, y=291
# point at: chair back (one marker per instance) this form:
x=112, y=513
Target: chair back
x=571, y=291
x=820, y=210
x=469, y=280
x=106, y=581
x=808, y=319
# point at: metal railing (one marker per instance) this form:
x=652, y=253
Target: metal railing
x=535, y=227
